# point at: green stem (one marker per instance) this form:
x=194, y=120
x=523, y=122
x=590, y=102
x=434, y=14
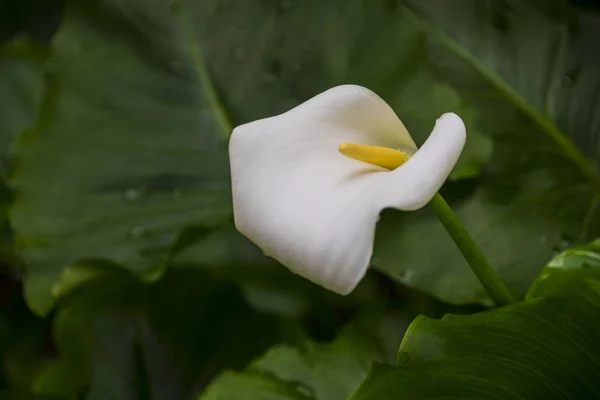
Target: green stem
x=492, y=283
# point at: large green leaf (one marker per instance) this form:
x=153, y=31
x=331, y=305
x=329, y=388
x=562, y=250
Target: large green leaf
x=547, y=347
x=126, y=151
x=292, y=50
x=119, y=338
x=130, y=147
x=312, y=371
x=532, y=70
x=21, y=85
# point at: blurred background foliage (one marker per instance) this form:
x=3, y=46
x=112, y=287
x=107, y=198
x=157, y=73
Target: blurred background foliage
x=122, y=276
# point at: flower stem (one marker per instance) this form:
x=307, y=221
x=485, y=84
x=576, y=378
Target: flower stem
x=490, y=280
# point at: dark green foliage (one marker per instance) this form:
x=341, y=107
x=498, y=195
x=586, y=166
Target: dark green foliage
x=122, y=275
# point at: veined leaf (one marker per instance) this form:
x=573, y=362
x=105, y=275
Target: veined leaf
x=545, y=347
x=532, y=71
x=127, y=150
x=130, y=147
x=120, y=338
x=312, y=371
x=21, y=85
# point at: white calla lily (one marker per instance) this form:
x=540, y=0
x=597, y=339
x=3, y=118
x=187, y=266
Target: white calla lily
x=313, y=209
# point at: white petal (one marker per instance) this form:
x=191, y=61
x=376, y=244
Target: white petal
x=315, y=210
x=427, y=170
x=359, y=110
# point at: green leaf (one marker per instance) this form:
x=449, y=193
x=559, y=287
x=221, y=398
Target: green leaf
x=120, y=338
x=21, y=85
x=136, y=152
x=130, y=146
x=301, y=48
x=424, y=88
x=545, y=347
x=538, y=98
x=312, y=371
x=248, y=386
x=126, y=152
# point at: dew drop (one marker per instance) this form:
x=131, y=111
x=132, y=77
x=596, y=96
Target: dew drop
x=269, y=79
x=544, y=239
x=565, y=244
x=132, y=194
x=305, y=390
x=570, y=79
x=408, y=276
x=177, y=193
x=239, y=53
x=139, y=232
x=566, y=241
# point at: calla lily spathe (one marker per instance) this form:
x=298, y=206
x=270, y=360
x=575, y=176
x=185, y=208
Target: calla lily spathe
x=315, y=210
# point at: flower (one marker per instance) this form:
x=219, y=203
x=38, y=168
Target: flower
x=301, y=194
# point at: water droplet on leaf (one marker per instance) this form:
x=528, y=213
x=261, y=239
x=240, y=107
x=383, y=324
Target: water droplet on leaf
x=305, y=389
x=570, y=79
x=132, y=194
x=565, y=244
x=139, y=232
x=269, y=79
x=408, y=276
x=239, y=53
x=566, y=241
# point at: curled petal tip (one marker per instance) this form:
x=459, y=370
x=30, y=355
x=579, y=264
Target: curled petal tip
x=452, y=121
